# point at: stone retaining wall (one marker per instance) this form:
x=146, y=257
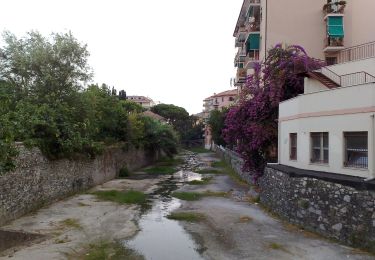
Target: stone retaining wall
x=334, y=210
x=38, y=181
x=235, y=161
x=336, y=206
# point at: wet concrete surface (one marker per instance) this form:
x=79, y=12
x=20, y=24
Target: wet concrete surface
x=10, y=239
x=234, y=227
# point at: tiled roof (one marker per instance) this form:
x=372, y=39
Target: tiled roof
x=232, y=92
x=139, y=99
x=154, y=116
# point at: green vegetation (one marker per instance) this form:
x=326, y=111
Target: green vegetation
x=188, y=127
x=71, y=223
x=44, y=104
x=204, y=181
x=187, y=216
x=128, y=197
x=198, y=150
x=189, y=196
x=124, y=172
x=192, y=196
x=106, y=251
x=167, y=161
x=227, y=169
x=160, y=170
x=217, y=123
x=276, y=246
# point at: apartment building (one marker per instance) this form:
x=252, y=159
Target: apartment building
x=216, y=102
x=145, y=102
x=322, y=27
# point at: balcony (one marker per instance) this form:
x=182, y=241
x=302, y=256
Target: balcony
x=241, y=38
x=240, y=77
x=334, y=44
x=252, y=22
x=334, y=7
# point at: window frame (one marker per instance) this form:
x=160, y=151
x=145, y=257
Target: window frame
x=291, y=136
x=322, y=148
x=346, y=164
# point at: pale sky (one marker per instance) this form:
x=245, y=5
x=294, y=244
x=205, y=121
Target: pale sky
x=173, y=51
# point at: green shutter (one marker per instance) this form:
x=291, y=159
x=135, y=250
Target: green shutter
x=253, y=41
x=335, y=26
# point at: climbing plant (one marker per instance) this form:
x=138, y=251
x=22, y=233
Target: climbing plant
x=251, y=126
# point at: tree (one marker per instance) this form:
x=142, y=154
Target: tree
x=252, y=125
x=44, y=69
x=216, y=122
x=177, y=116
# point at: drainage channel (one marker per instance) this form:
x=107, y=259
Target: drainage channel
x=160, y=237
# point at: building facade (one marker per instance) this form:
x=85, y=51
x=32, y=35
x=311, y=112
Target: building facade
x=216, y=102
x=322, y=27
x=145, y=102
x=331, y=127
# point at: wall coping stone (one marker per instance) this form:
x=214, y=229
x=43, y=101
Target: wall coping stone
x=352, y=181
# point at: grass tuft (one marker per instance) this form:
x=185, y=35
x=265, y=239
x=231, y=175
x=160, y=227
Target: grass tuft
x=199, y=150
x=128, y=197
x=204, y=181
x=186, y=216
x=71, y=223
x=189, y=196
x=106, y=250
x=160, y=170
x=229, y=171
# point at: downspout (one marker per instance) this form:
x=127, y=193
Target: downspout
x=278, y=141
x=372, y=132
x=265, y=36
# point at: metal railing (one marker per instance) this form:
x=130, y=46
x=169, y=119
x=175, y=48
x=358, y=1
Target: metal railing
x=348, y=80
x=357, y=78
x=331, y=75
x=355, y=53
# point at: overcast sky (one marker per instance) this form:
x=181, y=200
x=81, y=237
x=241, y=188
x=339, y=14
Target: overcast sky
x=173, y=51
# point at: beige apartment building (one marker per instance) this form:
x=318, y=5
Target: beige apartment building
x=216, y=102
x=322, y=27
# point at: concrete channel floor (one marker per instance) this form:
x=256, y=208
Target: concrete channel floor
x=234, y=228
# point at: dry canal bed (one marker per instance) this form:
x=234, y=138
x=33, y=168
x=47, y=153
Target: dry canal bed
x=176, y=214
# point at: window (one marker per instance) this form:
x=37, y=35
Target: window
x=222, y=99
x=293, y=146
x=231, y=98
x=319, y=147
x=356, y=149
x=331, y=61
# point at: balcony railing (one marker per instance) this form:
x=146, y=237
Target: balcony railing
x=334, y=42
x=348, y=80
x=252, y=56
x=355, y=53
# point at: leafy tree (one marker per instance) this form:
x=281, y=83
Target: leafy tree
x=252, y=125
x=216, y=122
x=177, y=116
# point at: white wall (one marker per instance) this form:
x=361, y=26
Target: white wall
x=367, y=65
x=310, y=113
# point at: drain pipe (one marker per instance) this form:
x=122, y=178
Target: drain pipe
x=373, y=147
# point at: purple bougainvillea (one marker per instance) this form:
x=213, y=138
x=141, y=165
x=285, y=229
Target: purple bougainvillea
x=251, y=126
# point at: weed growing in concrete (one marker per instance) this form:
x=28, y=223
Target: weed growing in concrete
x=106, y=250
x=199, y=150
x=124, y=172
x=276, y=246
x=161, y=170
x=187, y=216
x=128, y=197
x=229, y=171
x=189, y=196
x=204, y=181
x=71, y=223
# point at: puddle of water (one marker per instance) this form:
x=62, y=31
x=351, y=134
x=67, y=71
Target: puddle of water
x=161, y=238
x=9, y=239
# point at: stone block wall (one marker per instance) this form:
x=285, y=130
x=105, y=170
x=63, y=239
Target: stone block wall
x=338, y=211
x=235, y=161
x=38, y=181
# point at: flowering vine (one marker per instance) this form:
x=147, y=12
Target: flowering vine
x=251, y=126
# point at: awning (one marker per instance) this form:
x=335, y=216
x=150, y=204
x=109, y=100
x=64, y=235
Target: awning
x=253, y=42
x=335, y=26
